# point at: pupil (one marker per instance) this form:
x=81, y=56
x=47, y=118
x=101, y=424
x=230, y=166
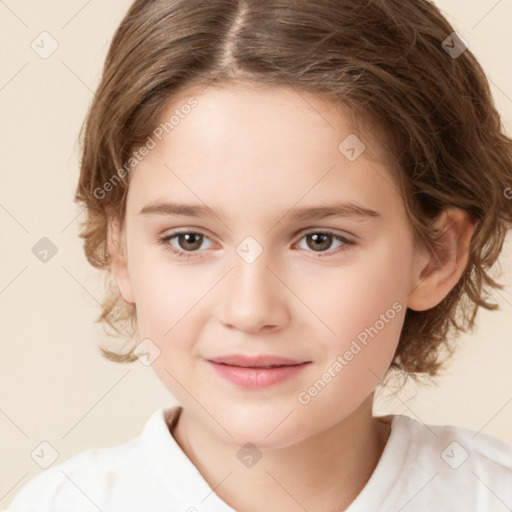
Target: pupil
x=320, y=240
x=191, y=239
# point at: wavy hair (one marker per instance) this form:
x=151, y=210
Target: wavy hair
x=385, y=60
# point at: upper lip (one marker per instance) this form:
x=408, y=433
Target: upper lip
x=260, y=361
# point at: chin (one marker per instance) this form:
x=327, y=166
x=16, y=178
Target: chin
x=266, y=431
x=262, y=440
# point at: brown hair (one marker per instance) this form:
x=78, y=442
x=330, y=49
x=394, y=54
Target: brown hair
x=383, y=59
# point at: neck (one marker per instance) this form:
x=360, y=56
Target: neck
x=335, y=464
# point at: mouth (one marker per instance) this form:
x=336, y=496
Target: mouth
x=256, y=372
x=259, y=361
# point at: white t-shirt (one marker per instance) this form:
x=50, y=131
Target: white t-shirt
x=422, y=468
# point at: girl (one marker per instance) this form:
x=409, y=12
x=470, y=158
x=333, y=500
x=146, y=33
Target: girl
x=294, y=200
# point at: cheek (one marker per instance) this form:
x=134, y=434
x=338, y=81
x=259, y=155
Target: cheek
x=364, y=309
x=161, y=292
x=367, y=319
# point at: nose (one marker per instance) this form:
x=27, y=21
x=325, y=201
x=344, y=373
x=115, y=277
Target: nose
x=253, y=297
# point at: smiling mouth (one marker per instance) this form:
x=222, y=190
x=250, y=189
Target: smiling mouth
x=256, y=375
x=260, y=367
x=258, y=361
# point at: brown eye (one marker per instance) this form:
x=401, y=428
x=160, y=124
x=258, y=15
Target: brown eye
x=190, y=241
x=321, y=241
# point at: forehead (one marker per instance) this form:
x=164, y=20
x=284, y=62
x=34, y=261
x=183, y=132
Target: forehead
x=260, y=148
x=258, y=119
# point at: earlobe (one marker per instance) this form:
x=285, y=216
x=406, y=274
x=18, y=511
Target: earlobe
x=119, y=265
x=436, y=274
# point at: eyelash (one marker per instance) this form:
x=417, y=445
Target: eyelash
x=164, y=241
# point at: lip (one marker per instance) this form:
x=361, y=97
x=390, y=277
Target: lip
x=259, y=361
x=256, y=372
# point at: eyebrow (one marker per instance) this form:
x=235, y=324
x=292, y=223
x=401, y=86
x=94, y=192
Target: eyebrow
x=349, y=209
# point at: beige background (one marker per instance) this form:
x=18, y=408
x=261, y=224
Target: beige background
x=55, y=386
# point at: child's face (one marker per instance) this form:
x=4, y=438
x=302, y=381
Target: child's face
x=259, y=157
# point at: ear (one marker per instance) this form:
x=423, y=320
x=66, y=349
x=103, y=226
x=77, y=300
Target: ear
x=436, y=274
x=116, y=249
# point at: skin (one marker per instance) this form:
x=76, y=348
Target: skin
x=259, y=154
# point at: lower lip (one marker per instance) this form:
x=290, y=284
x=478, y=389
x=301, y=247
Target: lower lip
x=257, y=378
